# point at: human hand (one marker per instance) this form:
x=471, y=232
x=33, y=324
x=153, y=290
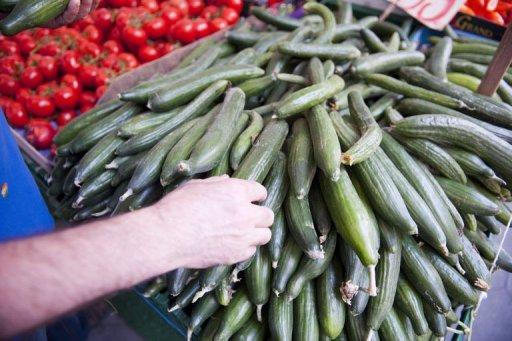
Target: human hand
x=76, y=10
x=214, y=221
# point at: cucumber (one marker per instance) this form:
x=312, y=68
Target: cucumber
x=381, y=305
x=277, y=184
x=73, y=128
x=489, y=250
x=320, y=214
x=208, y=332
x=305, y=317
x=337, y=52
x=330, y=306
x=469, y=82
x=198, y=106
x=185, y=89
x=258, y=279
x=438, y=60
x=434, y=156
x=97, y=209
x=423, y=276
x=301, y=226
x=467, y=199
x=278, y=61
x=201, y=312
x=128, y=168
x=93, y=187
x=279, y=22
x=340, y=100
x=394, y=42
x=206, y=45
x=343, y=32
x=470, y=221
x=144, y=122
x=329, y=68
x=28, y=14
x=145, y=198
x=379, y=106
x=329, y=21
x=389, y=236
x=407, y=325
x=455, y=284
x=243, y=38
x=176, y=280
x=372, y=41
x=475, y=269
x=251, y=331
x=210, y=148
x=343, y=14
x=266, y=44
x=310, y=268
x=276, y=244
x=224, y=292
x=491, y=223
x=356, y=328
x=436, y=321
x=256, y=86
x=185, y=297
x=384, y=62
x=293, y=79
x=244, y=142
x=235, y=315
x=470, y=163
x=280, y=318
x=211, y=279
x=392, y=328
x=310, y=96
x=385, y=28
x=409, y=302
x=301, y=162
x=504, y=214
x=288, y=263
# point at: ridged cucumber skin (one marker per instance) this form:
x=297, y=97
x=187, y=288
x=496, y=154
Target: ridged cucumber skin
x=356, y=328
x=491, y=224
x=392, y=328
x=252, y=330
x=301, y=161
x=235, y=315
x=277, y=184
x=340, y=100
x=280, y=318
x=202, y=311
x=258, y=279
x=384, y=62
x=389, y=236
x=438, y=60
x=409, y=302
x=372, y=41
x=176, y=280
x=209, y=330
x=423, y=276
x=336, y=52
x=95, y=186
x=489, y=250
x=185, y=297
x=224, y=292
x=244, y=142
x=279, y=234
x=330, y=306
x=320, y=214
x=305, y=319
x=144, y=122
x=475, y=269
x=470, y=163
x=288, y=263
x=436, y=321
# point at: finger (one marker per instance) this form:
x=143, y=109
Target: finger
x=260, y=236
x=70, y=14
x=248, y=253
x=252, y=190
x=264, y=216
x=208, y=180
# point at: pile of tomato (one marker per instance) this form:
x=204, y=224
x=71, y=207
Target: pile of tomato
x=497, y=11
x=47, y=77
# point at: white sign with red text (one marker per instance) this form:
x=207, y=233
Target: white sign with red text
x=435, y=14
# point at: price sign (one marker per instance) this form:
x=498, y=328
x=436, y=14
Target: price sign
x=435, y=14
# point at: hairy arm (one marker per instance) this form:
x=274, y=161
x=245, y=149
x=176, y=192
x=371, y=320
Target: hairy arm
x=199, y=225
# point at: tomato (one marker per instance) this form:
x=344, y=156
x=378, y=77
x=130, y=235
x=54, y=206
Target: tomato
x=171, y=15
x=69, y=62
x=66, y=98
x=52, y=48
x=102, y=78
x=201, y=28
x=65, y=117
x=113, y=46
x=210, y=12
x=100, y=90
x=8, y=85
x=8, y=48
x=109, y=61
x=40, y=106
x=102, y=18
x=16, y=115
x=87, y=74
x=49, y=68
x=114, y=34
x=148, y=53
x=41, y=33
x=155, y=28
x=87, y=101
x=218, y=24
x=181, y=5
x=11, y=65
x=40, y=133
x=183, y=31
x=88, y=48
x=151, y=5
x=122, y=3
x=72, y=82
x=237, y=5
x=230, y=15
x=81, y=24
x=23, y=95
x=92, y=33
x=164, y=48
x=47, y=89
x=31, y=77
x=26, y=44
x=133, y=36
x=195, y=7
x=128, y=60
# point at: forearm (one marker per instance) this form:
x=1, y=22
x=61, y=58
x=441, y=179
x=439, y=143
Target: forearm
x=47, y=276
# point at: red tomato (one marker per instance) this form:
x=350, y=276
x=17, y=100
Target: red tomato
x=88, y=48
x=210, y=12
x=51, y=48
x=40, y=106
x=155, y=28
x=69, y=62
x=87, y=101
x=41, y=33
x=102, y=78
x=16, y=115
x=181, y=5
x=237, y=5
x=31, y=77
x=8, y=85
x=92, y=33
x=113, y=46
x=40, y=133
x=128, y=60
x=201, y=28
x=218, y=24
x=134, y=36
x=26, y=43
x=87, y=74
x=47, y=89
x=102, y=18
x=72, y=82
x=49, y=68
x=120, y=3
x=230, y=15
x=171, y=15
x=65, y=117
x=81, y=24
x=65, y=98
x=109, y=61
x=114, y=34
x=164, y=48
x=100, y=91
x=183, y=31
x=8, y=48
x=195, y=7
x=148, y=53
x=23, y=95
x=151, y=5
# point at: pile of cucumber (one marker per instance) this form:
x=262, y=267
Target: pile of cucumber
x=385, y=177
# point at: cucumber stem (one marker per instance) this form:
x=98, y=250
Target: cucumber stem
x=126, y=195
x=274, y=264
x=455, y=331
x=202, y=292
x=112, y=165
x=259, y=307
x=372, y=288
x=189, y=334
x=102, y=212
x=369, y=336
x=173, y=308
x=77, y=202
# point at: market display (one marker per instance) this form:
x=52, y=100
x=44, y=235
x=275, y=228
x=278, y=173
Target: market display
x=385, y=171
x=48, y=77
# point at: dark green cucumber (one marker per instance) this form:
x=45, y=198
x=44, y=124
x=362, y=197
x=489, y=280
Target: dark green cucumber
x=200, y=50
x=309, y=269
x=177, y=279
x=467, y=199
x=243, y=38
x=257, y=86
x=504, y=214
x=409, y=302
x=183, y=90
x=280, y=318
x=336, y=52
x=435, y=156
x=208, y=332
x=146, y=197
x=211, y=278
x=386, y=28
x=73, y=128
x=244, y=142
x=94, y=186
x=185, y=297
x=127, y=170
x=301, y=226
x=288, y=263
x=372, y=41
x=423, y=276
x=320, y=214
x=409, y=330
x=260, y=158
x=279, y=22
x=144, y=122
x=266, y=44
x=279, y=233
x=385, y=62
x=389, y=236
x=305, y=317
x=356, y=328
x=301, y=161
x=252, y=330
x=392, y=328
x=379, y=106
x=436, y=321
x=97, y=209
x=258, y=279
x=310, y=96
x=277, y=184
x=489, y=250
x=491, y=223
x=475, y=269
x=278, y=61
x=201, y=312
x=470, y=163
x=224, y=292
x=7, y=5
x=90, y=135
x=329, y=21
x=235, y=315
x=330, y=306
x=438, y=61
x=28, y=14
x=455, y=284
